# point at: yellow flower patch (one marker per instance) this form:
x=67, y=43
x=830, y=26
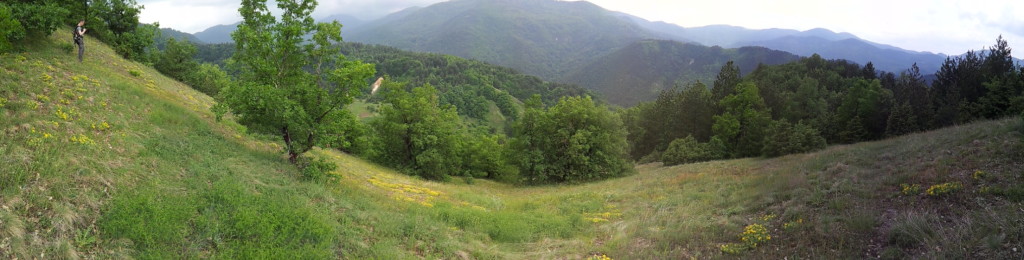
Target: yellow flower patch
x=405, y=192
x=943, y=189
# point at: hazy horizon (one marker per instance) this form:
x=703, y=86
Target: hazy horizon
x=949, y=27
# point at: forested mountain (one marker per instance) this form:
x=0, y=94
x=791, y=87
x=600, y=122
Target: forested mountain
x=167, y=33
x=470, y=85
x=540, y=37
x=222, y=33
x=855, y=50
x=217, y=34
x=640, y=71
x=828, y=44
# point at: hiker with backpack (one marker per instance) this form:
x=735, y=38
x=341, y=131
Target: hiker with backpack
x=79, y=34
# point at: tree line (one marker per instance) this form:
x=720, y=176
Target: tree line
x=804, y=105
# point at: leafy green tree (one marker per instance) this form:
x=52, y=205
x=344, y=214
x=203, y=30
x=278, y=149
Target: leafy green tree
x=176, y=61
x=32, y=20
x=10, y=28
x=573, y=141
x=783, y=138
x=901, y=120
x=275, y=93
x=808, y=102
x=726, y=81
x=742, y=124
x=116, y=22
x=418, y=135
x=208, y=78
x=486, y=155
x=864, y=105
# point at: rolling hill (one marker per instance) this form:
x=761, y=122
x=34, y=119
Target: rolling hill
x=110, y=159
x=640, y=71
x=539, y=37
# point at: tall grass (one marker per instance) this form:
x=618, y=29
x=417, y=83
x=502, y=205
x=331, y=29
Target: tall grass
x=165, y=180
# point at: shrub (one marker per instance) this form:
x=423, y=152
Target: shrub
x=208, y=78
x=783, y=138
x=688, y=150
x=9, y=27
x=135, y=73
x=315, y=168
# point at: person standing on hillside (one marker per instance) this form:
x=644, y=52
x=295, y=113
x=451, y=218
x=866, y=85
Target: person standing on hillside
x=79, y=39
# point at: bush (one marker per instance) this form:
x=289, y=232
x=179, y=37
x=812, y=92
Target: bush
x=9, y=27
x=208, y=78
x=688, y=150
x=783, y=138
x=315, y=168
x=38, y=20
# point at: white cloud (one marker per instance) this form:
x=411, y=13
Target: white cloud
x=190, y=16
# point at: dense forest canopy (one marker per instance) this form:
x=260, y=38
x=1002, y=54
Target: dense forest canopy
x=839, y=101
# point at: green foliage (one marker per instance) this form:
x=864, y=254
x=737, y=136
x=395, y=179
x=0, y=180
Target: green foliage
x=901, y=121
x=209, y=79
x=726, y=81
x=688, y=150
x=176, y=61
x=10, y=27
x=275, y=94
x=315, y=168
x=574, y=141
x=116, y=22
x=783, y=138
x=639, y=71
x=690, y=108
x=741, y=125
x=38, y=18
x=484, y=155
x=863, y=110
x=418, y=135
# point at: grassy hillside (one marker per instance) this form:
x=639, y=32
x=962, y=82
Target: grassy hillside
x=109, y=159
x=639, y=71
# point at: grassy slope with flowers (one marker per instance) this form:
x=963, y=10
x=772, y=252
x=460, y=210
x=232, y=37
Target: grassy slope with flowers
x=110, y=159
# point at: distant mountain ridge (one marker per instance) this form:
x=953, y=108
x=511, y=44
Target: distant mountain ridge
x=640, y=71
x=222, y=33
x=540, y=37
x=828, y=44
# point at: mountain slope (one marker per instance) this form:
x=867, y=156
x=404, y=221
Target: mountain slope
x=640, y=71
x=163, y=179
x=828, y=44
x=217, y=33
x=856, y=50
x=539, y=37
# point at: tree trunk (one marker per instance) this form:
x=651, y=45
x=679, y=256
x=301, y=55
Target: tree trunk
x=292, y=155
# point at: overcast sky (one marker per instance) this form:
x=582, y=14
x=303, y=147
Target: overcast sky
x=947, y=26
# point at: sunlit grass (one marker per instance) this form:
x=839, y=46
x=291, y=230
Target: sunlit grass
x=101, y=162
